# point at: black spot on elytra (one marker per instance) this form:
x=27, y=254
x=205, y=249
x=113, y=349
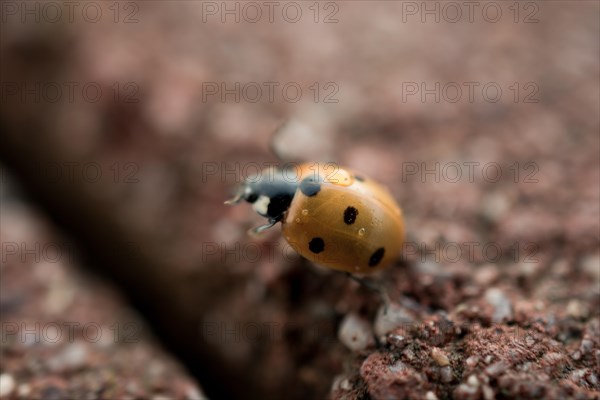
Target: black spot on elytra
x=310, y=186
x=350, y=215
x=359, y=178
x=376, y=257
x=316, y=245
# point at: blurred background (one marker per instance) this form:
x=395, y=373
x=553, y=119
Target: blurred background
x=125, y=125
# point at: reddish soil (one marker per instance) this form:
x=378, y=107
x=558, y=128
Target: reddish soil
x=497, y=294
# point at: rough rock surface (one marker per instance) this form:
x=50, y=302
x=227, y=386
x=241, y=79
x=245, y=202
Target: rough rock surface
x=498, y=292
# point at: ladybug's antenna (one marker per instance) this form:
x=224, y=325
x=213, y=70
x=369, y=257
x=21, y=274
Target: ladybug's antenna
x=234, y=200
x=237, y=198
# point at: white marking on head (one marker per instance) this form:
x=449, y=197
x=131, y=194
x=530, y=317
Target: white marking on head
x=261, y=205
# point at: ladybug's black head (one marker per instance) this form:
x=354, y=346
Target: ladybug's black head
x=270, y=193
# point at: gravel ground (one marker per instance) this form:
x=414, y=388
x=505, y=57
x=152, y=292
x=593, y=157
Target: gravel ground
x=484, y=128
x=66, y=335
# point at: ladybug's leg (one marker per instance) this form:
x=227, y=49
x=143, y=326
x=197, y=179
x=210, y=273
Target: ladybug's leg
x=259, y=229
x=375, y=286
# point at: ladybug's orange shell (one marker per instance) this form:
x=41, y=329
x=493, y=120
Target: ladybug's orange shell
x=351, y=224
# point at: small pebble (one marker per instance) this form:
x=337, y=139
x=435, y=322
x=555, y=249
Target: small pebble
x=430, y=396
x=355, y=333
x=472, y=361
x=398, y=341
x=591, y=265
x=409, y=354
x=345, y=384
x=465, y=391
x=337, y=381
x=561, y=267
x=297, y=139
x=428, y=270
x=577, y=310
x=539, y=305
x=553, y=357
x=395, y=317
x=73, y=356
x=495, y=205
x=496, y=368
x=7, y=384
x=24, y=390
x=488, y=359
x=586, y=346
x=488, y=392
x=446, y=374
x=471, y=290
x=193, y=393
x=398, y=366
x=60, y=295
x=577, y=375
x=486, y=275
x=529, y=270
x=501, y=303
x=439, y=357
x=472, y=381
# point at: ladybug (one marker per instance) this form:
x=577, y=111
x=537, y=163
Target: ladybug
x=329, y=214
